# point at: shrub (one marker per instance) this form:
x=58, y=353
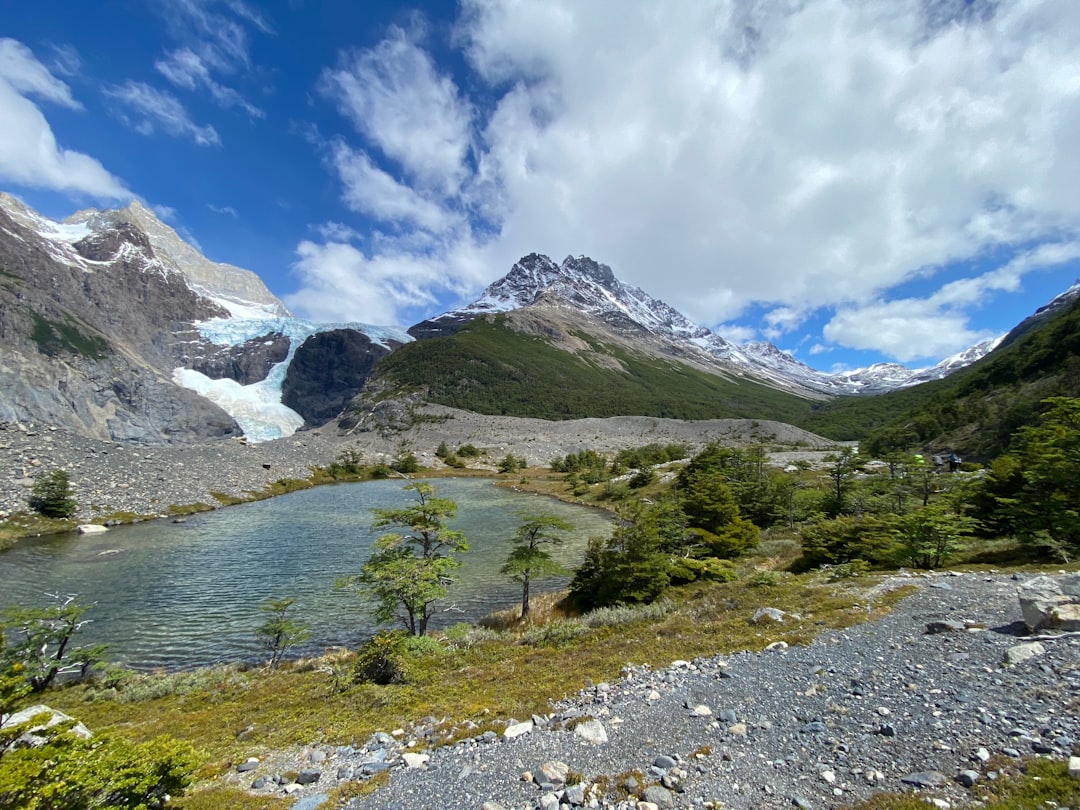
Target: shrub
x=709, y=569
x=51, y=495
x=846, y=538
x=382, y=659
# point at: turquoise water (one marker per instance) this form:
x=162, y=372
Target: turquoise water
x=181, y=595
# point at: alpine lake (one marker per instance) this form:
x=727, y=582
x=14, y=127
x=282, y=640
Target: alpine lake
x=181, y=595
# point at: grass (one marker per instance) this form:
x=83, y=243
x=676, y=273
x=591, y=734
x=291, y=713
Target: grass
x=475, y=685
x=1023, y=785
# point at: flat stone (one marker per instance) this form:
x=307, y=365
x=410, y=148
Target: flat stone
x=968, y=778
x=1074, y=767
x=1023, y=652
x=413, y=760
x=925, y=779
x=308, y=776
x=767, y=614
x=659, y=796
x=517, y=729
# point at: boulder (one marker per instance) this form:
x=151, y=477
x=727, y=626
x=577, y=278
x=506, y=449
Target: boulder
x=1051, y=603
x=33, y=736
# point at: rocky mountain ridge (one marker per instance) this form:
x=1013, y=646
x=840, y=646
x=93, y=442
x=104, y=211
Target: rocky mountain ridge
x=116, y=328
x=593, y=288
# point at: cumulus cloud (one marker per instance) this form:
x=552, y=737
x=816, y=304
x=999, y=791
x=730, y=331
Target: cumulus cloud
x=396, y=99
x=149, y=110
x=29, y=153
x=802, y=157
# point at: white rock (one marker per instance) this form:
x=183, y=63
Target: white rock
x=413, y=760
x=92, y=528
x=1040, y=595
x=701, y=710
x=1074, y=767
x=653, y=695
x=33, y=736
x=517, y=729
x=592, y=731
x=828, y=776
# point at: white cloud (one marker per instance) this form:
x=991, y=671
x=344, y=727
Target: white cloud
x=166, y=213
x=154, y=109
x=396, y=99
x=185, y=69
x=29, y=153
x=370, y=190
x=225, y=210
x=221, y=39
x=801, y=156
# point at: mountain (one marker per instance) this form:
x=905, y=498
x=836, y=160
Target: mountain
x=592, y=288
x=116, y=328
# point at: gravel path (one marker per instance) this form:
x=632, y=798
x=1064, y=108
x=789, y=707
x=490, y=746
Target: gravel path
x=857, y=711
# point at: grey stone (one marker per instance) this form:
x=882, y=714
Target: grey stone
x=1023, y=652
x=925, y=779
x=665, y=762
x=1039, y=596
x=308, y=776
x=944, y=626
x=575, y=795
x=766, y=615
x=968, y=778
x=660, y=796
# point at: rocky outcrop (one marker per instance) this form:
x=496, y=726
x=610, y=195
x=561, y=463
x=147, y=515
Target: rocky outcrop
x=246, y=363
x=327, y=371
x=1051, y=603
x=88, y=321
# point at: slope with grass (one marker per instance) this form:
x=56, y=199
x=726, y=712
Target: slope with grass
x=500, y=366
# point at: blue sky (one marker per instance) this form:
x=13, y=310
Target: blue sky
x=854, y=181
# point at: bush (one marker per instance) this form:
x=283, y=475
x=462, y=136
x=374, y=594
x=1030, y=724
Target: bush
x=51, y=495
x=468, y=451
x=846, y=538
x=382, y=659
x=709, y=569
x=406, y=463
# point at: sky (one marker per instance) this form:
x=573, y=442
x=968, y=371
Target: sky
x=856, y=181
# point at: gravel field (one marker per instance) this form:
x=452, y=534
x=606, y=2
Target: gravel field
x=108, y=477
x=876, y=707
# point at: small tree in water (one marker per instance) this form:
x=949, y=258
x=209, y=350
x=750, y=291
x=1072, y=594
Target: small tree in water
x=280, y=631
x=528, y=560
x=410, y=570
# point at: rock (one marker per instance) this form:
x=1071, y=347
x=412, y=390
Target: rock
x=968, y=778
x=492, y=806
x=925, y=779
x=1040, y=595
x=659, y=796
x=34, y=736
x=308, y=776
x=768, y=615
x=91, y=528
x=592, y=731
x=251, y=764
x=555, y=772
x=311, y=802
x=700, y=710
x=1023, y=652
x=1074, y=767
x=945, y=627
x=664, y=762
x=413, y=760
x=777, y=645
x=517, y=729
x=575, y=795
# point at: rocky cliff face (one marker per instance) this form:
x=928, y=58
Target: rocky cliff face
x=327, y=371
x=87, y=324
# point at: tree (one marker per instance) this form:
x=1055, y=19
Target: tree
x=931, y=535
x=841, y=470
x=1037, y=485
x=40, y=642
x=51, y=495
x=529, y=560
x=280, y=631
x=712, y=512
x=409, y=572
x=629, y=567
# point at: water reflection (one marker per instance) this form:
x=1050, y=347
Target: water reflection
x=180, y=595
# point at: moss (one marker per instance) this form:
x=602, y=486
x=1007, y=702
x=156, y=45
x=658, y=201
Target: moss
x=55, y=337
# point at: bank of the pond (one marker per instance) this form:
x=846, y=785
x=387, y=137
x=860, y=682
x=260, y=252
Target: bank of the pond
x=188, y=595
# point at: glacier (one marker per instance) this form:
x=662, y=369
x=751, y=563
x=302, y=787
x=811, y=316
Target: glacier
x=257, y=408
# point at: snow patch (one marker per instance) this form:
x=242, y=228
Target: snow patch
x=256, y=408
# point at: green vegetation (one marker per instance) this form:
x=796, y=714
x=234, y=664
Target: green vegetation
x=408, y=572
x=280, y=631
x=52, y=497
x=489, y=368
x=54, y=338
x=529, y=560
x=37, y=643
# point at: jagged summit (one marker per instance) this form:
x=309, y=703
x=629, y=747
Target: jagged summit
x=232, y=287
x=592, y=287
